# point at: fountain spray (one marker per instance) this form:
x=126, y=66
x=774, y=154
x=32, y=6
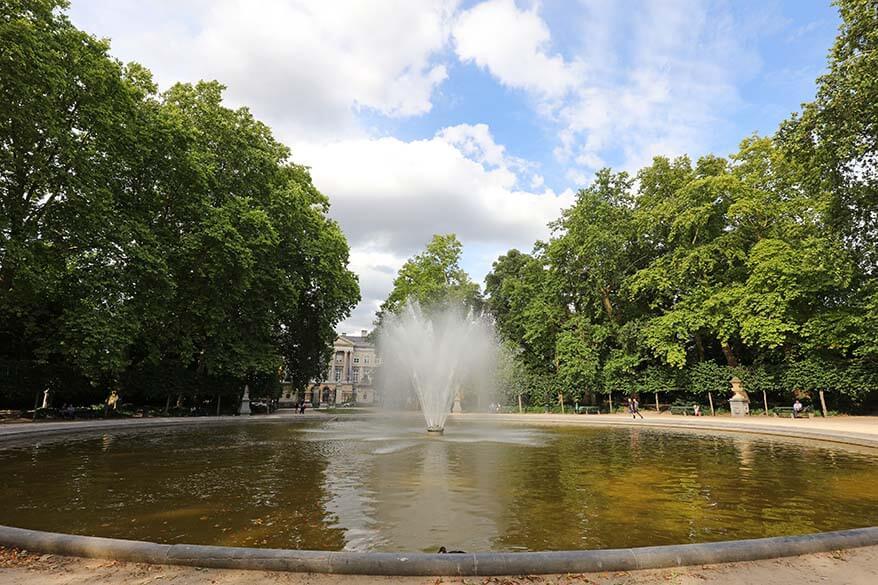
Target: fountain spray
x=436, y=354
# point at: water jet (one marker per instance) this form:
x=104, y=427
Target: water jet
x=438, y=353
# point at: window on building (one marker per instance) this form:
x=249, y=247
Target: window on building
x=356, y=360
x=365, y=360
x=356, y=377
x=338, y=358
x=337, y=374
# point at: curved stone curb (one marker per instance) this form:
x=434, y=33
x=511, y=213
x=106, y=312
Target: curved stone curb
x=423, y=564
x=41, y=429
x=766, y=429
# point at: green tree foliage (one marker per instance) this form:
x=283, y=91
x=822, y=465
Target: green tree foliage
x=150, y=236
x=764, y=261
x=434, y=279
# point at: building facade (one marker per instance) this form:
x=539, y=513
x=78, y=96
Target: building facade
x=349, y=375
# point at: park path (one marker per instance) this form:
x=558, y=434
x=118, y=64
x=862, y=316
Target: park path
x=856, y=430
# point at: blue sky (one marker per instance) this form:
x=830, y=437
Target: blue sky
x=478, y=117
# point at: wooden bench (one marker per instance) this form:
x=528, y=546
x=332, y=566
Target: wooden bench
x=682, y=409
x=788, y=411
x=588, y=410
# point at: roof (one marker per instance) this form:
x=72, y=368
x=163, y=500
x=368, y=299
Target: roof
x=358, y=341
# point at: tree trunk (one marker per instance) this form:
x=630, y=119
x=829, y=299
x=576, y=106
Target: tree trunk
x=699, y=347
x=168, y=404
x=822, y=403
x=710, y=397
x=656, y=403
x=731, y=358
x=520, y=409
x=611, y=402
x=561, y=401
x=608, y=305
x=765, y=401
x=219, y=399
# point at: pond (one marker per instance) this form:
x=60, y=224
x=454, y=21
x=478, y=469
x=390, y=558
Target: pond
x=383, y=484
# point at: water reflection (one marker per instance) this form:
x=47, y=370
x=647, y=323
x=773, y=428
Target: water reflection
x=383, y=484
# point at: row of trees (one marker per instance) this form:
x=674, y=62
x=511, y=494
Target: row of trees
x=762, y=264
x=159, y=243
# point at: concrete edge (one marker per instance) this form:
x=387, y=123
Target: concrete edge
x=818, y=434
x=425, y=564
x=30, y=430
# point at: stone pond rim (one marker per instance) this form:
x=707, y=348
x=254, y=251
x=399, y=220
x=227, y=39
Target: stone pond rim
x=426, y=564
x=415, y=564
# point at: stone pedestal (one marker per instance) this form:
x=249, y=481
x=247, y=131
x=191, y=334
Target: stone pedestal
x=739, y=403
x=456, y=406
x=245, y=401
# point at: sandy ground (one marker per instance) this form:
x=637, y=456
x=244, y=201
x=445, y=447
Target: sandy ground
x=851, y=567
x=852, y=424
x=859, y=430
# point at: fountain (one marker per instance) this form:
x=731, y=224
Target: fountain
x=437, y=354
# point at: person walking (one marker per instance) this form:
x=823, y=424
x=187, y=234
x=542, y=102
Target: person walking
x=633, y=408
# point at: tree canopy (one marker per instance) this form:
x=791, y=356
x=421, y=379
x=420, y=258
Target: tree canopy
x=434, y=279
x=761, y=264
x=149, y=235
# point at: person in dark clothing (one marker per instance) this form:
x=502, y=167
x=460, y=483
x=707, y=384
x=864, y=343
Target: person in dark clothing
x=633, y=409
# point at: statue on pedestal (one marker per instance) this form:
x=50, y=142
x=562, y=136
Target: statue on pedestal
x=739, y=403
x=245, y=401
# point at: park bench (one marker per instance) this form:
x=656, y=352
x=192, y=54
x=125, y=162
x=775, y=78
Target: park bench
x=788, y=411
x=683, y=409
x=588, y=410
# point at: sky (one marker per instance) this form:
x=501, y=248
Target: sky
x=481, y=118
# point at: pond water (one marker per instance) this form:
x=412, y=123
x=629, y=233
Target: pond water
x=382, y=484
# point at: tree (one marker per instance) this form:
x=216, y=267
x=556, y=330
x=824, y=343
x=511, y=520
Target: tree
x=163, y=235
x=707, y=378
x=434, y=279
x=578, y=355
x=835, y=139
x=835, y=135
x=69, y=149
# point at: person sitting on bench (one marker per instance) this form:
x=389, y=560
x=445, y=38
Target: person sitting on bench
x=797, y=408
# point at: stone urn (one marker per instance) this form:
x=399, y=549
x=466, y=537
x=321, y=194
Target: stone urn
x=739, y=403
x=245, y=401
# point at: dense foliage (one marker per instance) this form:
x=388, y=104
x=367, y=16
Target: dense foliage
x=160, y=244
x=761, y=265
x=433, y=279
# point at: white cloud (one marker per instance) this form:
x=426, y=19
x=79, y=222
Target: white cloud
x=304, y=66
x=390, y=196
x=396, y=194
x=678, y=80
x=655, y=81
x=513, y=45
